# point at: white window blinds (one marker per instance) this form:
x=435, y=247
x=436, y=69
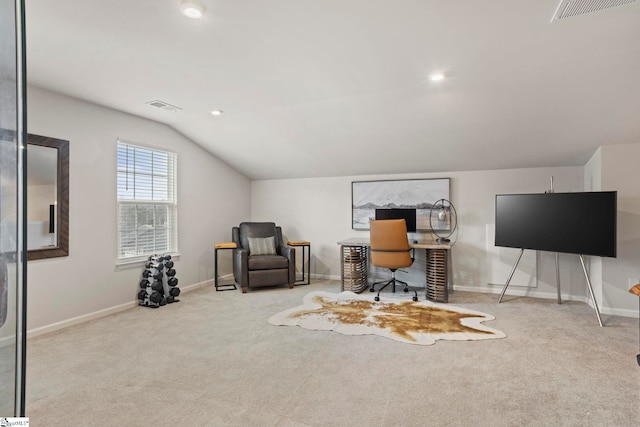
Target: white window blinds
x=147, y=201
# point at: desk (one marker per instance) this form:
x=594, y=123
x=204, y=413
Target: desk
x=354, y=262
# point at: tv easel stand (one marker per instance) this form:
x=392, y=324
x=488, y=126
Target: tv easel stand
x=586, y=276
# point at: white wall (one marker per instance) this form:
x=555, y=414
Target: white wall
x=620, y=173
x=319, y=210
x=212, y=198
x=613, y=168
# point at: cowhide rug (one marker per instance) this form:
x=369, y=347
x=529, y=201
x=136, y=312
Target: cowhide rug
x=420, y=322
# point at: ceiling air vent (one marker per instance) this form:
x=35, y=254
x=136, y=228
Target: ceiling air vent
x=569, y=8
x=165, y=106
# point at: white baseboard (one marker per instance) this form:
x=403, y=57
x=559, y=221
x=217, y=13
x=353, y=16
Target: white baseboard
x=619, y=312
x=195, y=286
x=325, y=277
x=100, y=313
x=532, y=292
x=80, y=319
x=7, y=341
x=520, y=292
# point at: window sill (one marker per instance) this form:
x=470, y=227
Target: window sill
x=139, y=261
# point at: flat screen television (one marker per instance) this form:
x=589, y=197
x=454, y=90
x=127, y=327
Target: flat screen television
x=409, y=215
x=581, y=223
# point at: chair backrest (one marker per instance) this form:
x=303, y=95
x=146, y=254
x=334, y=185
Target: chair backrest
x=259, y=229
x=389, y=243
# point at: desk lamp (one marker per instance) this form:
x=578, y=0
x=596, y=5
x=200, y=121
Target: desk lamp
x=446, y=215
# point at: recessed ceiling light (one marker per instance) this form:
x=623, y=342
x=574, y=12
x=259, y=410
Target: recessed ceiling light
x=436, y=77
x=192, y=9
x=216, y=112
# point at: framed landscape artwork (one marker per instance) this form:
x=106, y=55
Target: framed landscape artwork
x=419, y=194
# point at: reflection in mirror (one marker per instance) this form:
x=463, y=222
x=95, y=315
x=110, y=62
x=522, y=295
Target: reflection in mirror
x=47, y=197
x=42, y=165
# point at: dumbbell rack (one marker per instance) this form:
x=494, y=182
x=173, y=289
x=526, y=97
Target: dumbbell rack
x=158, y=286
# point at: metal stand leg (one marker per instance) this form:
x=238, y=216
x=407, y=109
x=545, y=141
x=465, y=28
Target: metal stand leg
x=513, y=270
x=558, y=279
x=593, y=297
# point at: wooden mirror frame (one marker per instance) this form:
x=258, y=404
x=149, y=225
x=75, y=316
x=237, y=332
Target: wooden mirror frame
x=62, y=247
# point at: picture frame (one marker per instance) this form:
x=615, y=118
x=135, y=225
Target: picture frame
x=419, y=194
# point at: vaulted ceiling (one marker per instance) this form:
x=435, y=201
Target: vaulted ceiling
x=341, y=87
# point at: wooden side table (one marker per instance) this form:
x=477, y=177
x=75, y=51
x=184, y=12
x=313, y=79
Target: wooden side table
x=306, y=247
x=223, y=246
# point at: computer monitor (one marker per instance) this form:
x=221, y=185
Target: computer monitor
x=409, y=215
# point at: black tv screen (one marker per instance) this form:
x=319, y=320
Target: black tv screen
x=409, y=215
x=577, y=223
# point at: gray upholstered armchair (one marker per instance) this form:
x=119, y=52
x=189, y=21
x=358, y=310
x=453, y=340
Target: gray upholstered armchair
x=262, y=258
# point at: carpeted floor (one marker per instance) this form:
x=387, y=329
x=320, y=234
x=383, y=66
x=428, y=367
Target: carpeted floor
x=213, y=360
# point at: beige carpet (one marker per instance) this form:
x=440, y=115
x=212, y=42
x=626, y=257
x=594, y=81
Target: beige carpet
x=414, y=322
x=214, y=360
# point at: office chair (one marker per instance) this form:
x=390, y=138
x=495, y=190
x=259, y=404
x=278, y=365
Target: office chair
x=390, y=249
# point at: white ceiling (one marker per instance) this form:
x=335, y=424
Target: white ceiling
x=340, y=87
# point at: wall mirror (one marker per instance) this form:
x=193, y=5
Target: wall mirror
x=47, y=197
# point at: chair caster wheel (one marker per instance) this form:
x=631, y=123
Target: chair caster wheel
x=415, y=298
x=406, y=290
x=376, y=298
x=371, y=290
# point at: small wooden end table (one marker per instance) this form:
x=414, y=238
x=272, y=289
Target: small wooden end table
x=306, y=247
x=636, y=291
x=223, y=246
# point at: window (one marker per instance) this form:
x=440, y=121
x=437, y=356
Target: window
x=147, y=201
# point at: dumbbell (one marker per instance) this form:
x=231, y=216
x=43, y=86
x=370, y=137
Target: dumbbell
x=173, y=281
x=144, y=283
x=169, y=264
x=142, y=294
x=155, y=297
x=158, y=275
x=171, y=272
x=167, y=257
x=170, y=299
x=146, y=273
x=157, y=285
x=174, y=292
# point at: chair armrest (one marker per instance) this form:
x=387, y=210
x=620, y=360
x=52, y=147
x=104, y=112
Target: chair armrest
x=289, y=252
x=286, y=251
x=241, y=266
